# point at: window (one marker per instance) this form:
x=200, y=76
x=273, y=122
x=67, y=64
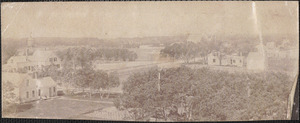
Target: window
x=28, y=67
x=33, y=94
x=27, y=82
x=50, y=92
x=240, y=61
x=214, y=60
x=55, y=59
x=39, y=92
x=54, y=89
x=233, y=61
x=27, y=94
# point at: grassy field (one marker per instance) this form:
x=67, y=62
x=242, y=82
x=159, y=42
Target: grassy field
x=218, y=68
x=147, y=57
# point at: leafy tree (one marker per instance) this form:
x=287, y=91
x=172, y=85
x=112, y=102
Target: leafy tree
x=82, y=78
x=124, y=54
x=108, y=54
x=113, y=81
x=132, y=56
x=50, y=70
x=104, y=81
x=77, y=56
x=99, y=53
x=8, y=50
x=187, y=50
x=8, y=96
x=116, y=54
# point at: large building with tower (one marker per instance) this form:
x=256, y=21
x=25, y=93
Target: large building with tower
x=31, y=60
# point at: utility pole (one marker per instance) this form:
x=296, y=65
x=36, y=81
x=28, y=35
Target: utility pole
x=158, y=84
x=248, y=87
x=187, y=49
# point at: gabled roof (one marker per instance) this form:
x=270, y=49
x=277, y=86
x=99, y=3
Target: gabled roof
x=255, y=56
x=40, y=55
x=45, y=82
x=17, y=78
x=17, y=59
x=43, y=52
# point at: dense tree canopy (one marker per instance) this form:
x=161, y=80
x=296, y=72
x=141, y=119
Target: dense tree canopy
x=205, y=95
x=7, y=51
x=185, y=51
x=8, y=96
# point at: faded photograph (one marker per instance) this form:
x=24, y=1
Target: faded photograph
x=150, y=61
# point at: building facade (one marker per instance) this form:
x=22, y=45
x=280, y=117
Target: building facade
x=27, y=88
x=29, y=64
x=236, y=60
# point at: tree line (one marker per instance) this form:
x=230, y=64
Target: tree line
x=185, y=94
x=190, y=50
x=77, y=56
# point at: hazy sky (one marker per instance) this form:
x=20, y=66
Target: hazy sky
x=138, y=19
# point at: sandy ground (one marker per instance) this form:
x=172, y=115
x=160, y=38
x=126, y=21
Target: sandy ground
x=61, y=108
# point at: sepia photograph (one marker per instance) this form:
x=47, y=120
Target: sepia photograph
x=166, y=61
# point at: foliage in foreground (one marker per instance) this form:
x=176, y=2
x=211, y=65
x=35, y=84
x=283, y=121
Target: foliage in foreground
x=205, y=95
x=86, y=78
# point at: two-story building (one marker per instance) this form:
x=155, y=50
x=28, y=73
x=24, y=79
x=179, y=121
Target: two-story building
x=236, y=60
x=30, y=63
x=28, y=88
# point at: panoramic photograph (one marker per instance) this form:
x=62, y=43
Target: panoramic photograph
x=150, y=61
